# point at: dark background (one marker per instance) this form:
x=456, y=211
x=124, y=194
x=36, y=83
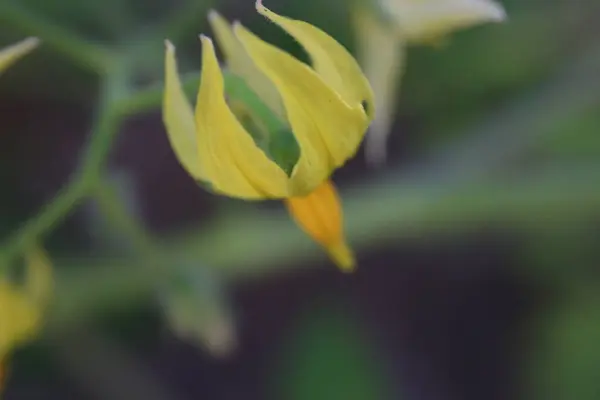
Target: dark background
x=478, y=243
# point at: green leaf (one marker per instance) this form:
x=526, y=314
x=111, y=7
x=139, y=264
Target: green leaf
x=572, y=138
x=327, y=358
x=566, y=363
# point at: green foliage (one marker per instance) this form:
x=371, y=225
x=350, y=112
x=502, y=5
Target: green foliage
x=566, y=357
x=482, y=67
x=573, y=139
x=328, y=357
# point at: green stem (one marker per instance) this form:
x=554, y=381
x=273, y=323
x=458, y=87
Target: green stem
x=145, y=249
x=52, y=213
x=151, y=97
x=123, y=221
x=383, y=214
x=86, y=54
x=391, y=209
x=102, y=135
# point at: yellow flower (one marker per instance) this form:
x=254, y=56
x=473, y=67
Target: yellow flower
x=422, y=21
x=12, y=53
x=383, y=36
x=327, y=108
x=22, y=306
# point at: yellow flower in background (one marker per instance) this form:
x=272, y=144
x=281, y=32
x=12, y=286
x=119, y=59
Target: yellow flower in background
x=22, y=305
x=422, y=21
x=326, y=108
x=383, y=35
x=11, y=54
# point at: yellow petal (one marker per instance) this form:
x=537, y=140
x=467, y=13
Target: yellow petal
x=381, y=54
x=320, y=215
x=328, y=130
x=12, y=53
x=240, y=64
x=20, y=318
x=426, y=20
x=235, y=166
x=21, y=308
x=178, y=118
x=330, y=59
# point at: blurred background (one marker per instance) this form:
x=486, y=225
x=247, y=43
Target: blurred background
x=478, y=241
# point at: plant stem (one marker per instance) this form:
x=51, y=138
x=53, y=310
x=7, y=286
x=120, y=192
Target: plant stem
x=151, y=97
x=382, y=214
x=102, y=135
x=52, y=213
x=86, y=54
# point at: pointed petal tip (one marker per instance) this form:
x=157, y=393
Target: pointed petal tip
x=498, y=13
x=213, y=14
x=204, y=38
x=260, y=7
x=236, y=26
x=26, y=45
x=10, y=54
x=376, y=148
x=490, y=10
x=376, y=162
x=343, y=257
x=169, y=46
x=31, y=41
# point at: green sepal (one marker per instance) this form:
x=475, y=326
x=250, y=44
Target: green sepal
x=270, y=133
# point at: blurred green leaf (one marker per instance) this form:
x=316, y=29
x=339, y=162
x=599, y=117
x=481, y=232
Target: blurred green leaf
x=96, y=19
x=482, y=65
x=562, y=257
x=573, y=138
x=328, y=357
x=566, y=362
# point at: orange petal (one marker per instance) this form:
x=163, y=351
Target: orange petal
x=319, y=214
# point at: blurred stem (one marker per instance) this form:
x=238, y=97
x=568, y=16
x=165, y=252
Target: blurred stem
x=102, y=135
x=86, y=54
x=151, y=97
x=443, y=193
x=115, y=73
x=147, y=252
x=51, y=214
x=115, y=87
x=121, y=220
x=390, y=209
x=383, y=212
